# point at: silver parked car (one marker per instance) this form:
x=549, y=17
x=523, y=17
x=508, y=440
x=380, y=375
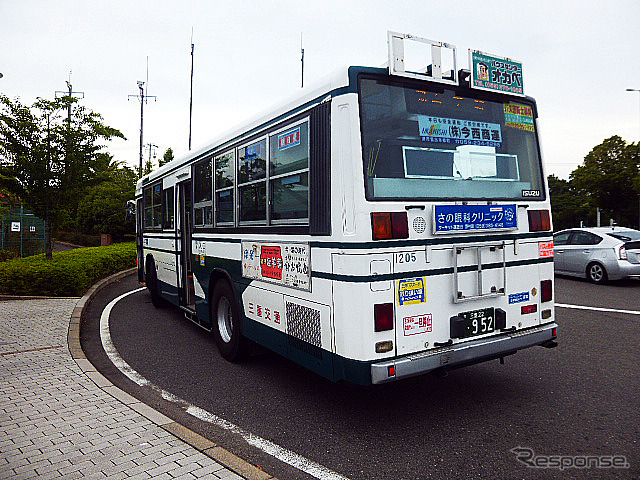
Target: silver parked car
x=599, y=254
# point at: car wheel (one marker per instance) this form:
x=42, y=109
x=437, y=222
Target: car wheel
x=226, y=323
x=596, y=273
x=151, y=279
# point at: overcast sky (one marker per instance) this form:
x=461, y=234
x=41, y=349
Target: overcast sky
x=578, y=59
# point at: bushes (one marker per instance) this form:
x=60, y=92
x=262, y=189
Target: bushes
x=69, y=274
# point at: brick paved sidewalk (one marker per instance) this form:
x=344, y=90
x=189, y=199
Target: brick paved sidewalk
x=56, y=423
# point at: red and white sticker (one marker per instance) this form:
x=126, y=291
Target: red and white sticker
x=417, y=324
x=545, y=249
x=271, y=262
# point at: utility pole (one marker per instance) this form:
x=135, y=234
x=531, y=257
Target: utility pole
x=151, y=148
x=143, y=97
x=191, y=95
x=70, y=93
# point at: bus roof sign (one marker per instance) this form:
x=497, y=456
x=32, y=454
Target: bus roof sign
x=432, y=71
x=495, y=74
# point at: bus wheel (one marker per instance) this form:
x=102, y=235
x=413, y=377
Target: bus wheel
x=226, y=323
x=151, y=279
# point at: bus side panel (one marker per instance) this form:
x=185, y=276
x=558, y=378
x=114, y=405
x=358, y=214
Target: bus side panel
x=163, y=252
x=295, y=328
x=354, y=301
x=224, y=264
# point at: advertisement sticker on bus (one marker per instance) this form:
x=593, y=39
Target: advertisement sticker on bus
x=458, y=131
x=497, y=74
x=283, y=263
x=545, y=249
x=289, y=139
x=518, y=116
x=271, y=262
x=455, y=218
x=417, y=324
x=412, y=291
x=518, y=297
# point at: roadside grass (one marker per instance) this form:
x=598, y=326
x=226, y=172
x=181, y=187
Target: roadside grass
x=68, y=274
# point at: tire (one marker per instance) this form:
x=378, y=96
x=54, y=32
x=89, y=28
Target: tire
x=152, y=283
x=226, y=323
x=596, y=273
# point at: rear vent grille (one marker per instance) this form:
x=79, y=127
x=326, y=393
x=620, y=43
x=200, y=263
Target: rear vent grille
x=419, y=224
x=303, y=323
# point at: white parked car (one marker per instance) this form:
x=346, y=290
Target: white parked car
x=598, y=254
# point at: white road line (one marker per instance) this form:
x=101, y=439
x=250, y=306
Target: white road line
x=110, y=349
x=287, y=456
x=291, y=458
x=597, y=309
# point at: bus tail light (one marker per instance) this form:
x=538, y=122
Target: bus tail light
x=383, y=317
x=539, y=220
x=389, y=225
x=546, y=291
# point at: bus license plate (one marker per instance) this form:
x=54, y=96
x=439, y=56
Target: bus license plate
x=479, y=322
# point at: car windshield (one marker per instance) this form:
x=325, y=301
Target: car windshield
x=438, y=144
x=626, y=235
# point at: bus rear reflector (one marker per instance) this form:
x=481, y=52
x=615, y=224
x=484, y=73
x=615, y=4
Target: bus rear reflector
x=546, y=291
x=383, y=347
x=383, y=317
x=539, y=220
x=533, y=308
x=389, y=225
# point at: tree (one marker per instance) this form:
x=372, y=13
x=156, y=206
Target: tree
x=103, y=208
x=49, y=157
x=609, y=179
x=167, y=157
x=567, y=206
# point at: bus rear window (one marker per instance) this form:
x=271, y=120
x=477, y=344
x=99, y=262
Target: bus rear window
x=421, y=144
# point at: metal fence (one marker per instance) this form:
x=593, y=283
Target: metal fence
x=22, y=232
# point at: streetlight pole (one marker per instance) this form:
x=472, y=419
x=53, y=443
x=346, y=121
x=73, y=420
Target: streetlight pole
x=637, y=90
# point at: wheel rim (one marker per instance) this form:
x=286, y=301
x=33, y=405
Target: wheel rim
x=225, y=319
x=596, y=273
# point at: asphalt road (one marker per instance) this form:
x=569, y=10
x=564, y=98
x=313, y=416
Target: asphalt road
x=582, y=398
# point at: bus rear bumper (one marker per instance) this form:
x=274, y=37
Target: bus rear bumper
x=466, y=353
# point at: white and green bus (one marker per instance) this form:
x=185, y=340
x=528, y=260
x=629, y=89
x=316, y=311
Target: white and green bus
x=387, y=224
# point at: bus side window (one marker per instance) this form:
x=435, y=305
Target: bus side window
x=202, y=204
x=167, y=208
x=224, y=181
x=252, y=182
x=153, y=206
x=289, y=174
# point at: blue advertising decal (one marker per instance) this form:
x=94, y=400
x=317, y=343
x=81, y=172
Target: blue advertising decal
x=519, y=297
x=458, y=131
x=455, y=218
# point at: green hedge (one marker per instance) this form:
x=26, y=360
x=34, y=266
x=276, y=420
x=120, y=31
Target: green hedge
x=69, y=274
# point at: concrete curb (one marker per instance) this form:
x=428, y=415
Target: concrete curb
x=200, y=443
